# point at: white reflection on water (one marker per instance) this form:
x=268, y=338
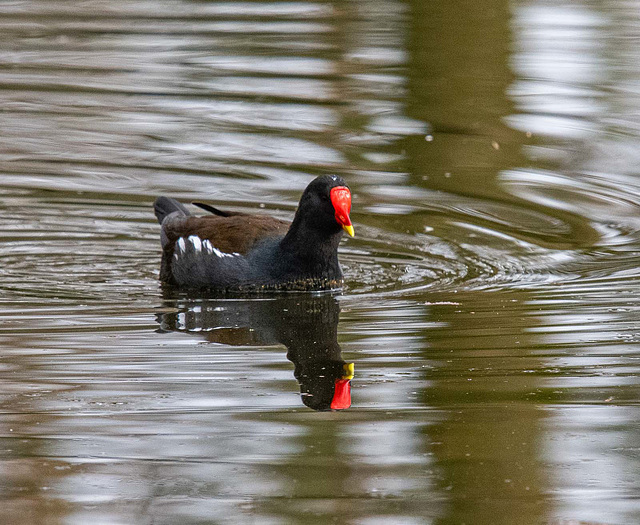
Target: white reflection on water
x=567, y=93
x=595, y=470
x=560, y=62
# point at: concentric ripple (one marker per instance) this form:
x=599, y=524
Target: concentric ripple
x=91, y=251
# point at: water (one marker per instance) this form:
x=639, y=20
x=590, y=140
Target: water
x=491, y=301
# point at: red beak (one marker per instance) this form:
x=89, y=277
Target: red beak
x=341, y=200
x=341, y=395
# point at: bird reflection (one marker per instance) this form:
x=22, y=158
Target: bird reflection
x=306, y=325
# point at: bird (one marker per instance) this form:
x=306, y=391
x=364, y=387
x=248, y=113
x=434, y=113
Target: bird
x=234, y=251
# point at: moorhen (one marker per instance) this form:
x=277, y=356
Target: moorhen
x=232, y=251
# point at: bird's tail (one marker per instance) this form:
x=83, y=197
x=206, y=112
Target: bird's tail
x=165, y=206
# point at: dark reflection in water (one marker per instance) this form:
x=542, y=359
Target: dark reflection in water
x=307, y=325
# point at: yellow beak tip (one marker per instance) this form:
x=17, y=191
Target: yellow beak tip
x=349, y=230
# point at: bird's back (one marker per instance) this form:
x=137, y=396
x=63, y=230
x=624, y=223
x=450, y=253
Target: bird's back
x=231, y=233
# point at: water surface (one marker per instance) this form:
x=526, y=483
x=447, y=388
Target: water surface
x=491, y=301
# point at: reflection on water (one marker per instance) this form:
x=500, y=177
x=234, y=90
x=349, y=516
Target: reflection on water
x=491, y=299
x=305, y=324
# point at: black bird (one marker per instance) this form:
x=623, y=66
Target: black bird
x=231, y=251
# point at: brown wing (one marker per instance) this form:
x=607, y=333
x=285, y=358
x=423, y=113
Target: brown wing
x=233, y=234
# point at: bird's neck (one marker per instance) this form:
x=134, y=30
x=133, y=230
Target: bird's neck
x=309, y=248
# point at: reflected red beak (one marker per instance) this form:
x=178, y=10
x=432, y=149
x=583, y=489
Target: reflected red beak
x=341, y=200
x=341, y=395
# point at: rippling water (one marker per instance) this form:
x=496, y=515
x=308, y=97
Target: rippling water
x=491, y=290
